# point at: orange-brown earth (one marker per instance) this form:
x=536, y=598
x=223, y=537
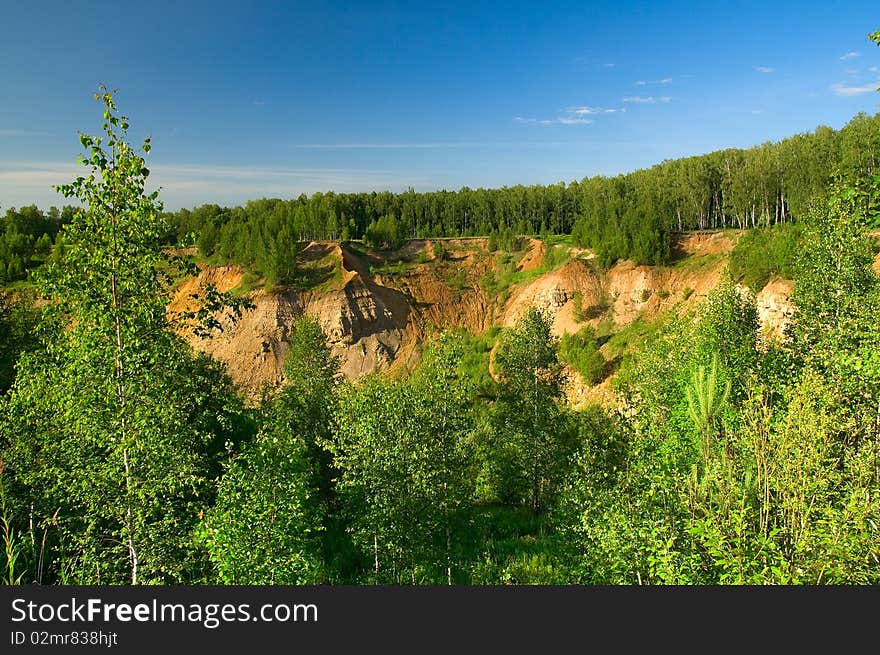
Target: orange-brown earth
x=380, y=309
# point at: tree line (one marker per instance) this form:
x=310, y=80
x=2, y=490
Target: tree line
x=624, y=216
x=27, y=237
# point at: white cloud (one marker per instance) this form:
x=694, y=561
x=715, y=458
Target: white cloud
x=841, y=89
x=665, y=80
x=559, y=120
x=764, y=69
x=589, y=111
x=572, y=116
x=608, y=65
x=647, y=100
x=850, y=55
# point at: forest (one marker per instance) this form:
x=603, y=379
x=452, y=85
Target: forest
x=128, y=458
x=627, y=216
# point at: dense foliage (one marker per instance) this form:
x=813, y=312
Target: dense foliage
x=748, y=462
x=580, y=350
x=113, y=430
x=26, y=237
x=766, y=251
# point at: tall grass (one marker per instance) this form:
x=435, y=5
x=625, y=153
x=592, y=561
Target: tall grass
x=13, y=544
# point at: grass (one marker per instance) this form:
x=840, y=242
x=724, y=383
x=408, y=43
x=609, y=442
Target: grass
x=499, y=281
x=559, y=240
x=322, y=274
x=631, y=338
x=581, y=351
x=20, y=285
x=249, y=282
x=696, y=263
x=475, y=359
x=518, y=548
x=394, y=267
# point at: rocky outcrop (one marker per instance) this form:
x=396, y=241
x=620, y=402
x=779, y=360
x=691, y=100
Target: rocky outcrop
x=775, y=308
x=378, y=318
x=365, y=324
x=554, y=294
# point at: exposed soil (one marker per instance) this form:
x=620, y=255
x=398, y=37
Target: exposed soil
x=533, y=257
x=381, y=321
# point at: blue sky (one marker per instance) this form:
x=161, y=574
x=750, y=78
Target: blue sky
x=274, y=99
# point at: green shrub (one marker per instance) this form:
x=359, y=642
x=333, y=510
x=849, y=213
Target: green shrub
x=765, y=251
x=581, y=351
x=577, y=307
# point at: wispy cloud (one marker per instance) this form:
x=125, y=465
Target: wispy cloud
x=665, y=80
x=24, y=182
x=579, y=115
x=258, y=103
x=462, y=144
x=850, y=55
x=559, y=120
x=647, y=100
x=609, y=65
x=764, y=69
x=4, y=132
x=841, y=89
x=589, y=111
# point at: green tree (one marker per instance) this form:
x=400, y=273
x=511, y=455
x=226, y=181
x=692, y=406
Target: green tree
x=267, y=523
x=18, y=320
x=706, y=398
x=445, y=419
x=273, y=500
x=727, y=334
x=114, y=423
x=377, y=454
x=581, y=351
x=529, y=448
x=405, y=479
x=837, y=299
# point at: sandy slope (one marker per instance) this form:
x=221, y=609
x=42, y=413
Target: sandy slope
x=381, y=321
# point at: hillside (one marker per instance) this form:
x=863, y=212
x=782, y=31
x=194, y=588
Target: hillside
x=379, y=308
